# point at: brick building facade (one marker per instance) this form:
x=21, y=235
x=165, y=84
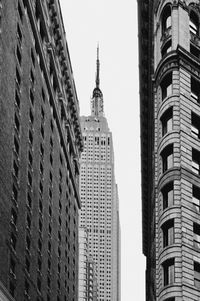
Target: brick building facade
x=169, y=51
x=40, y=144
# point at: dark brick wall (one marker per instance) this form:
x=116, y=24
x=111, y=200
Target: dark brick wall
x=37, y=200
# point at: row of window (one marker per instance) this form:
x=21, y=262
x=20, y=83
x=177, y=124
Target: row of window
x=166, y=87
x=169, y=273
x=168, y=196
x=168, y=234
x=167, y=156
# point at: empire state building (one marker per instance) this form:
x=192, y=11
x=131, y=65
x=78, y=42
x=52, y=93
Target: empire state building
x=99, y=197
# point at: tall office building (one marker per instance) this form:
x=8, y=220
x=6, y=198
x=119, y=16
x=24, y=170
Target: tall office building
x=99, y=198
x=40, y=145
x=169, y=52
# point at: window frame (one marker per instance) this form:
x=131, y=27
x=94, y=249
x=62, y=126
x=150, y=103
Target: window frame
x=196, y=235
x=168, y=233
x=194, y=23
x=166, y=18
x=195, y=161
x=168, y=195
x=168, y=271
x=195, y=92
x=167, y=156
x=166, y=117
x=166, y=86
x=196, y=197
x=195, y=125
x=197, y=274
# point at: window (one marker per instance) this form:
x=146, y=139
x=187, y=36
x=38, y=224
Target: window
x=166, y=19
x=195, y=91
x=166, y=86
x=168, y=271
x=196, y=231
x=167, y=157
x=195, y=161
x=166, y=48
x=195, y=128
x=194, y=51
x=168, y=233
x=197, y=274
x=168, y=195
x=194, y=23
x=167, y=121
x=196, y=197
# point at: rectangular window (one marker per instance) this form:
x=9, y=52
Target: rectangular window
x=168, y=233
x=167, y=121
x=195, y=92
x=166, y=86
x=168, y=271
x=196, y=197
x=195, y=161
x=194, y=51
x=196, y=231
x=197, y=274
x=168, y=195
x=195, y=125
x=167, y=157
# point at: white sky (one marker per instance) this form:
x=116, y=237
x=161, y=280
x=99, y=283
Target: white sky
x=113, y=23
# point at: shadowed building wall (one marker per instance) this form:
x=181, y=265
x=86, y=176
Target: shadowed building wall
x=40, y=144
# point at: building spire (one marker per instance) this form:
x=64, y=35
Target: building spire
x=98, y=68
x=97, y=97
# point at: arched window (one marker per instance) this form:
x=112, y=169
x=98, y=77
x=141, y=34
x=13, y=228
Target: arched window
x=194, y=23
x=166, y=19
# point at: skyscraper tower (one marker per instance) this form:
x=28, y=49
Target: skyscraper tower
x=40, y=145
x=169, y=52
x=99, y=197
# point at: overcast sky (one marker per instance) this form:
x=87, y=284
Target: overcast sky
x=113, y=24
